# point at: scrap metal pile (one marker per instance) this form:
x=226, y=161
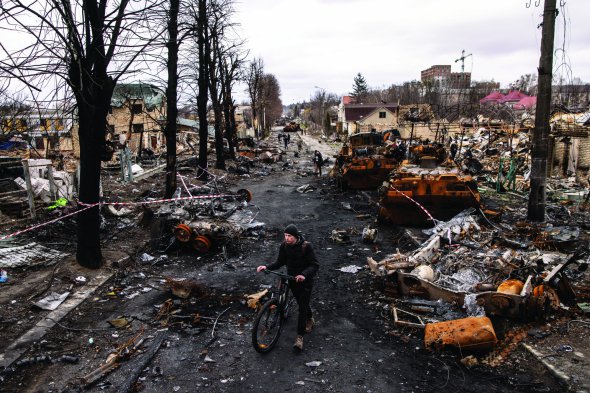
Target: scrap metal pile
x=467, y=271
x=206, y=218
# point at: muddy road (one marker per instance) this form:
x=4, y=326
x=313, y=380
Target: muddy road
x=206, y=341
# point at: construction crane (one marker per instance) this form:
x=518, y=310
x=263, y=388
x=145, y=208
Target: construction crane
x=462, y=59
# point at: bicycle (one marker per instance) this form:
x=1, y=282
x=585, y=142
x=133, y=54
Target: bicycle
x=273, y=313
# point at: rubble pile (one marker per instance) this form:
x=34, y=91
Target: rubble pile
x=470, y=268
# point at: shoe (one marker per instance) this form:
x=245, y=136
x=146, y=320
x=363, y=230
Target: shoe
x=309, y=325
x=298, y=343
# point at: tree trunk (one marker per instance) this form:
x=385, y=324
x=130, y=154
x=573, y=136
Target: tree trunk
x=213, y=44
x=228, y=111
x=92, y=111
x=230, y=127
x=540, y=141
x=203, y=88
x=171, y=99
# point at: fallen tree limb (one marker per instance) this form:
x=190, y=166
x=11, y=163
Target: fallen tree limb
x=147, y=357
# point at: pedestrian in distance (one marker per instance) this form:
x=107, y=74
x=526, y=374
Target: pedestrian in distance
x=286, y=140
x=454, y=149
x=318, y=161
x=299, y=145
x=298, y=256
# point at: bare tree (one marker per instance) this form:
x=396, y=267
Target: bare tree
x=230, y=72
x=220, y=45
x=89, y=45
x=202, y=36
x=253, y=77
x=172, y=45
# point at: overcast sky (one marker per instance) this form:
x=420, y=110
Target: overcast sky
x=325, y=43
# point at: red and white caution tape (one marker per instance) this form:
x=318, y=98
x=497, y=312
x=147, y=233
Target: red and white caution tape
x=417, y=204
x=88, y=206
x=91, y=205
x=184, y=184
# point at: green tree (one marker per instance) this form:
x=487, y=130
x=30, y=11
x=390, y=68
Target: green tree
x=359, y=87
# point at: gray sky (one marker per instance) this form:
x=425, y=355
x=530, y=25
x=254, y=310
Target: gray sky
x=325, y=43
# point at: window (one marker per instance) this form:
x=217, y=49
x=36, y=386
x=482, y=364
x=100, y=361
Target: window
x=138, y=128
x=382, y=115
x=136, y=109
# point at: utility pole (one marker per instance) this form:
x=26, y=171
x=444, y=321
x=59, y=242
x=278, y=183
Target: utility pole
x=540, y=141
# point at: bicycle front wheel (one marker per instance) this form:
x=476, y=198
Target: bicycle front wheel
x=267, y=326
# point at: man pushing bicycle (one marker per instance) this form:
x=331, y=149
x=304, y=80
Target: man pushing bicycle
x=299, y=257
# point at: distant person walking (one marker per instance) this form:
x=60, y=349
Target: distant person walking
x=454, y=149
x=286, y=140
x=318, y=161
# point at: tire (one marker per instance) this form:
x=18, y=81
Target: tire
x=267, y=327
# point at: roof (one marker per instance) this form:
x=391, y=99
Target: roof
x=151, y=95
x=525, y=103
x=584, y=119
x=514, y=95
x=187, y=122
x=492, y=97
x=356, y=112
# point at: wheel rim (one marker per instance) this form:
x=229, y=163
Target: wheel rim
x=244, y=195
x=268, y=328
x=183, y=233
x=202, y=243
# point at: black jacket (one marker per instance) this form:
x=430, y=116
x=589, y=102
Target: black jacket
x=299, y=259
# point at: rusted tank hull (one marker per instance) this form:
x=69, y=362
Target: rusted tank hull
x=364, y=179
x=403, y=212
x=366, y=173
x=442, y=196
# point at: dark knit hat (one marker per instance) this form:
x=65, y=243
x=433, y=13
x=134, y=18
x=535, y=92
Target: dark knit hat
x=292, y=230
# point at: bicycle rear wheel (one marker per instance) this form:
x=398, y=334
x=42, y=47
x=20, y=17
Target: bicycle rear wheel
x=267, y=326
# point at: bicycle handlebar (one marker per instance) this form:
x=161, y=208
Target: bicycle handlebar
x=288, y=277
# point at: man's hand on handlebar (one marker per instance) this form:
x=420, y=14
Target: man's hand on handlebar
x=260, y=268
x=299, y=278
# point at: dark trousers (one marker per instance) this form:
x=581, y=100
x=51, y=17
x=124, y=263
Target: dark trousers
x=302, y=294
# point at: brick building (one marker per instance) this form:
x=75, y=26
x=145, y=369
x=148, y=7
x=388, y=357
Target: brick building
x=442, y=75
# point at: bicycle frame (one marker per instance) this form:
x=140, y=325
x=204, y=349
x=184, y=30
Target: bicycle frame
x=272, y=315
x=283, y=289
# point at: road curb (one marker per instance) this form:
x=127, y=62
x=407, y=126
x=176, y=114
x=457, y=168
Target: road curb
x=560, y=375
x=22, y=344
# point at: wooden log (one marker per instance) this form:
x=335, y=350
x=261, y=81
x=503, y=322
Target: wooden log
x=147, y=357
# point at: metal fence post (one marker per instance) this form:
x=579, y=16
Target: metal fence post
x=52, y=185
x=30, y=193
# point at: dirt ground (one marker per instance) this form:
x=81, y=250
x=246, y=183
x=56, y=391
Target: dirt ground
x=206, y=339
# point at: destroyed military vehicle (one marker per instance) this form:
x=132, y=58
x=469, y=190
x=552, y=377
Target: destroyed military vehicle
x=425, y=188
x=366, y=160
